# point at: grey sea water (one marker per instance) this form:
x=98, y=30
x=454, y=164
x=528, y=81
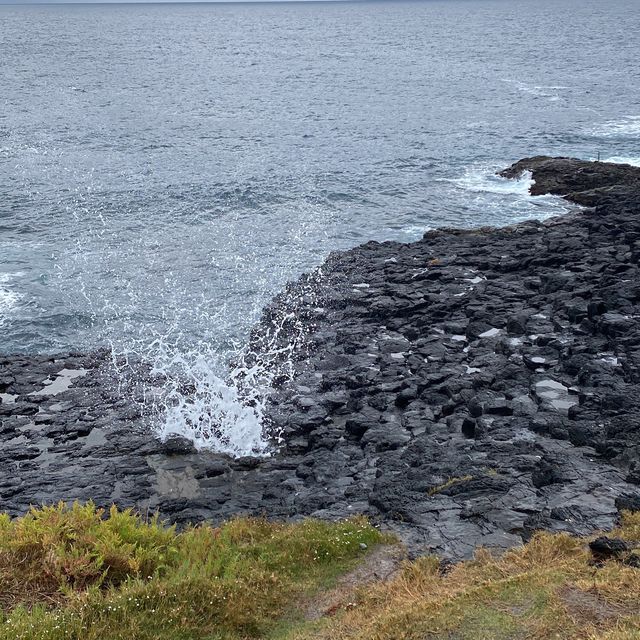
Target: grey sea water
x=164, y=169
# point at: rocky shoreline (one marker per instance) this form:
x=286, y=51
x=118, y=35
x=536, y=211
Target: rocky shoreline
x=463, y=390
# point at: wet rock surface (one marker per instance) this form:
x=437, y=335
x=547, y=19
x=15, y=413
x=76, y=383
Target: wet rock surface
x=581, y=181
x=466, y=389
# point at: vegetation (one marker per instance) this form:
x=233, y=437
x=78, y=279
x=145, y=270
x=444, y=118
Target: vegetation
x=548, y=589
x=78, y=573
x=451, y=482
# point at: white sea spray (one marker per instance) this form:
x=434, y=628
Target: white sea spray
x=9, y=297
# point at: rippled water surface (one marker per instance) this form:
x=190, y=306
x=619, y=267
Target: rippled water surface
x=164, y=169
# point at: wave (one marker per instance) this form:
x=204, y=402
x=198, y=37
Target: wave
x=634, y=161
x=549, y=92
x=502, y=200
x=483, y=179
x=627, y=127
x=9, y=298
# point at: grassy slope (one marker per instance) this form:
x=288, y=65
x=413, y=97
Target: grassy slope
x=74, y=573
x=81, y=574
x=548, y=589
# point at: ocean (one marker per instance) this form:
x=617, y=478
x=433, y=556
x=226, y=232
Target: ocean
x=166, y=168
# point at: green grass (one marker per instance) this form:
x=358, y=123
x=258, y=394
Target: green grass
x=78, y=573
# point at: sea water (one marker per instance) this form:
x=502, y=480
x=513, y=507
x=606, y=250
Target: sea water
x=166, y=168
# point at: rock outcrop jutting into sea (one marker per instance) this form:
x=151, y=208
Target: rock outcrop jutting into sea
x=465, y=389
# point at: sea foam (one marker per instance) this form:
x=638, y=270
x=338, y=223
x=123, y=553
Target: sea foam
x=627, y=127
x=495, y=195
x=483, y=179
x=634, y=161
x=9, y=298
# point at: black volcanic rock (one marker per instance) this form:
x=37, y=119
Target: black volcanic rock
x=177, y=445
x=604, y=547
x=462, y=390
x=581, y=181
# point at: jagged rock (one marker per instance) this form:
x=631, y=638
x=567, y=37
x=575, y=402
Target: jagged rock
x=485, y=384
x=570, y=176
x=177, y=445
x=604, y=548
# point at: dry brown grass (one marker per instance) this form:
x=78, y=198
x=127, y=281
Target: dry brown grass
x=83, y=574
x=449, y=483
x=547, y=589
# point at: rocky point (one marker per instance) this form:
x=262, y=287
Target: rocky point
x=463, y=390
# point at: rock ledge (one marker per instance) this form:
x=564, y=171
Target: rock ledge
x=463, y=390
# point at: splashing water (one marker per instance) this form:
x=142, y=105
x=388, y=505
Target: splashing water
x=8, y=297
x=213, y=394
x=181, y=300
x=225, y=413
x=185, y=392
x=491, y=192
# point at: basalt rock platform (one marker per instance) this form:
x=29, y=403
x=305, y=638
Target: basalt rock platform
x=463, y=390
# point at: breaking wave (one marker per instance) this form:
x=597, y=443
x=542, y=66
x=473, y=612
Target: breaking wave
x=627, y=127
x=634, y=161
x=483, y=179
x=495, y=194
x=9, y=298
